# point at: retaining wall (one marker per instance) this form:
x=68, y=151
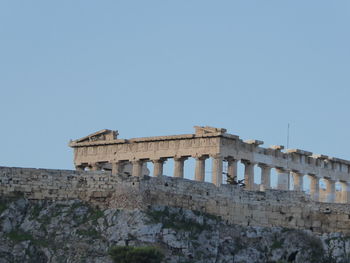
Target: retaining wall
x=272, y=208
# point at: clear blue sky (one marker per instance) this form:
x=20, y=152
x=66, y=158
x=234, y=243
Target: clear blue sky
x=69, y=68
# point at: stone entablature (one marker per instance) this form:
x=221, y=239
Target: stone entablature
x=103, y=150
x=272, y=208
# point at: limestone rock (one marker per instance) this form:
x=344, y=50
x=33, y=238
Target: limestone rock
x=72, y=231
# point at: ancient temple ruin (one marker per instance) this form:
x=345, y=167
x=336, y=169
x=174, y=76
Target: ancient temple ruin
x=103, y=150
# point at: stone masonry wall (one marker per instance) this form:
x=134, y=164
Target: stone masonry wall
x=272, y=208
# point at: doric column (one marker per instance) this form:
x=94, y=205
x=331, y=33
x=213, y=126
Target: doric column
x=137, y=167
x=179, y=166
x=314, y=187
x=217, y=169
x=265, y=177
x=200, y=169
x=282, y=179
x=158, y=167
x=345, y=192
x=231, y=170
x=330, y=190
x=248, y=174
x=117, y=167
x=298, y=181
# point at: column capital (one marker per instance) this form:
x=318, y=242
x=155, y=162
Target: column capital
x=344, y=182
x=180, y=158
x=159, y=160
x=331, y=180
x=230, y=159
x=95, y=164
x=200, y=156
x=314, y=176
x=117, y=161
x=216, y=156
x=264, y=165
x=247, y=162
x=296, y=172
x=282, y=170
x=136, y=161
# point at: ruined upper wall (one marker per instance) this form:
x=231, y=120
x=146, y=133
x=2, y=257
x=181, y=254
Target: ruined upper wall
x=271, y=208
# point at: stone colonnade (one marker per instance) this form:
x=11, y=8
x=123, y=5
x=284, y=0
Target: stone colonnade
x=283, y=176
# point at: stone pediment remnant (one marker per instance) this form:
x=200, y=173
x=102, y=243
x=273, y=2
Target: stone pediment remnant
x=254, y=142
x=102, y=135
x=201, y=130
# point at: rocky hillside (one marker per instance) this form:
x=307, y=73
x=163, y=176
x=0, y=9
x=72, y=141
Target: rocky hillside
x=73, y=231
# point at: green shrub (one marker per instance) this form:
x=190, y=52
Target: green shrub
x=19, y=236
x=178, y=221
x=3, y=207
x=126, y=254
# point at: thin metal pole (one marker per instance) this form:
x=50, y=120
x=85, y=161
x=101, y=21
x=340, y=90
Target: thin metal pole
x=288, y=136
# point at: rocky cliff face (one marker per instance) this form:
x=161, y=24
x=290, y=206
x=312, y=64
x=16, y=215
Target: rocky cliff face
x=73, y=231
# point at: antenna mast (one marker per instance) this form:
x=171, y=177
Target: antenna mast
x=288, y=136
